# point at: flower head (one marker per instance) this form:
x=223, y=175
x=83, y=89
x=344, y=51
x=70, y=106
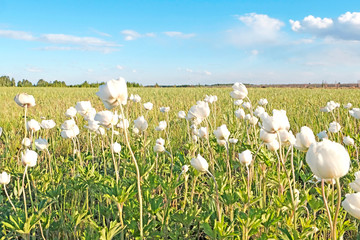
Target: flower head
x=199, y=163
x=113, y=93
x=4, y=178
x=328, y=159
x=24, y=99
x=29, y=158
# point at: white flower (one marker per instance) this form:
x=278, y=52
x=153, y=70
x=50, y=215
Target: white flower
x=106, y=118
x=123, y=124
x=348, y=141
x=200, y=164
x=148, y=106
x=33, y=125
x=182, y=114
x=47, y=124
x=334, y=127
x=83, y=107
x=70, y=133
x=203, y=132
x=246, y=105
x=263, y=102
x=141, y=124
x=135, y=98
x=355, y=185
x=92, y=125
x=194, y=138
x=286, y=137
x=41, y=144
x=304, y=139
x=245, y=157
x=347, y=106
x=113, y=93
x=24, y=99
x=26, y=142
x=1, y=130
x=200, y=111
x=160, y=141
x=352, y=204
x=239, y=91
x=330, y=106
x=222, y=133
x=328, y=159
x=159, y=148
x=162, y=125
x=238, y=102
x=185, y=168
x=278, y=121
x=210, y=99
x=273, y=146
x=322, y=135
x=233, y=140
x=70, y=112
x=267, y=137
x=240, y=113
x=116, y=147
x=253, y=120
x=355, y=112
x=29, y=158
x=258, y=111
x=68, y=124
x=164, y=109
x=4, y=178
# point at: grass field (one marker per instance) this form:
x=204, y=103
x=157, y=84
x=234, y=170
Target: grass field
x=73, y=192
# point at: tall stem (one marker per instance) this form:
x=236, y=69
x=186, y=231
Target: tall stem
x=23, y=191
x=25, y=119
x=217, y=197
x=112, y=154
x=327, y=206
x=186, y=190
x=337, y=206
x=137, y=176
x=9, y=198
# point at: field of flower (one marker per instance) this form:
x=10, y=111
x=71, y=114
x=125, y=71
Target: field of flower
x=228, y=167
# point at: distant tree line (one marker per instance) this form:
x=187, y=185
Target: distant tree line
x=5, y=81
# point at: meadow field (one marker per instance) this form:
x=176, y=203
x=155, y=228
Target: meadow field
x=82, y=188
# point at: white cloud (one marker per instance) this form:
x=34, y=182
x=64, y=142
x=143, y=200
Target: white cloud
x=78, y=43
x=130, y=35
x=256, y=29
x=16, y=35
x=207, y=73
x=179, y=34
x=345, y=27
x=119, y=67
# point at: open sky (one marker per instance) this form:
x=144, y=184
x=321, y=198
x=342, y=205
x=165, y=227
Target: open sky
x=181, y=42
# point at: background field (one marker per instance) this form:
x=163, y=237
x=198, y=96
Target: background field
x=83, y=205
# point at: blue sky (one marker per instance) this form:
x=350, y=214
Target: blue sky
x=181, y=42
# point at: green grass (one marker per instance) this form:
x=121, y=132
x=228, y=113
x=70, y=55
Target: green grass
x=80, y=198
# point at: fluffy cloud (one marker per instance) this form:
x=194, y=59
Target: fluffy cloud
x=179, y=34
x=130, y=35
x=16, y=35
x=344, y=27
x=256, y=29
x=75, y=42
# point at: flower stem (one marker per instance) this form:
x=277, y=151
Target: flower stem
x=137, y=176
x=23, y=192
x=327, y=206
x=9, y=198
x=112, y=154
x=337, y=206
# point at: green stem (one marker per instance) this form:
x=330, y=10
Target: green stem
x=327, y=207
x=9, y=198
x=337, y=206
x=137, y=176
